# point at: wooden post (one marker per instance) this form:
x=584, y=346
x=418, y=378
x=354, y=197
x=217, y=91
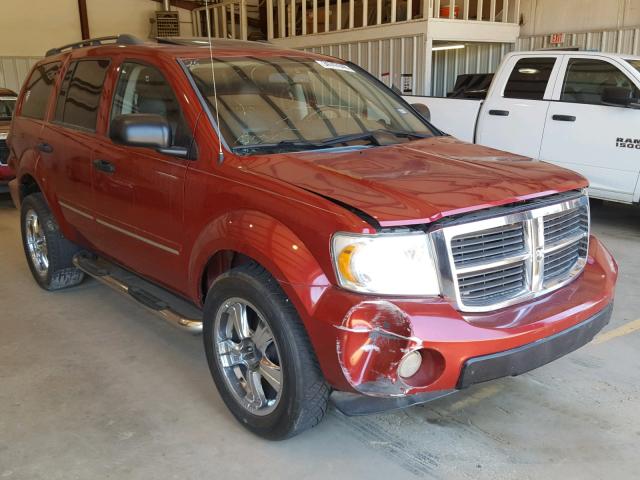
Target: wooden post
x=84, y=19
x=351, y=13
x=244, y=24
x=282, y=19
x=315, y=16
x=304, y=17
x=269, y=19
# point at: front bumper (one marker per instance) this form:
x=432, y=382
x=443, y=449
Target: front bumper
x=533, y=355
x=361, y=356
x=486, y=367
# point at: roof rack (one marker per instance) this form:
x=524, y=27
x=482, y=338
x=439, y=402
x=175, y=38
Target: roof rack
x=122, y=39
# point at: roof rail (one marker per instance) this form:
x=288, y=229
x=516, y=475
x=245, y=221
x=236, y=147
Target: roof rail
x=122, y=39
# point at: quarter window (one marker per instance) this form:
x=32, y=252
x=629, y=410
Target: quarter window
x=143, y=89
x=529, y=78
x=79, y=97
x=38, y=89
x=586, y=80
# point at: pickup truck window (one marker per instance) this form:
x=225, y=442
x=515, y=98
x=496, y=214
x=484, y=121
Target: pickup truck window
x=143, y=89
x=38, y=89
x=7, y=105
x=79, y=97
x=300, y=103
x=529, y=78
x=586, y=80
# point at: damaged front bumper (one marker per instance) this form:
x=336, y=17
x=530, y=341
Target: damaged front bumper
x=360, y=356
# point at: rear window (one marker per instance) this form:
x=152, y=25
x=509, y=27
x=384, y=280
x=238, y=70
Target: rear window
x=529, y=78
x=635, y=64
x=38, y=89
x=79, y=97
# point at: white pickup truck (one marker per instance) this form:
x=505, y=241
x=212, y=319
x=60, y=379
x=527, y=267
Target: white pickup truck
x=579, y=110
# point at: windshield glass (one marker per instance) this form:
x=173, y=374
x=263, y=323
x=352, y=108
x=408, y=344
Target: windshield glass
x=635, y=64
x=289, y=103
x=7, y=104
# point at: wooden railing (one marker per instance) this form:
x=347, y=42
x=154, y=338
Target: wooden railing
x=290, y=18
x=504, y=11
x=227, y=19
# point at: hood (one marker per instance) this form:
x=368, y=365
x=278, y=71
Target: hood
x=420, y=181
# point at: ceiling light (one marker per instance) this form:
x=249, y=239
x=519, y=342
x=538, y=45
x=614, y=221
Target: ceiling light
x=447, y=47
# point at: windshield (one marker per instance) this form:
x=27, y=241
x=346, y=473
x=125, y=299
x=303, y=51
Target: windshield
x=289, y=104
x=7, y=104
x=635, y=64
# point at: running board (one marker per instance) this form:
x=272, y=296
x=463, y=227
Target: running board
x=137, y=289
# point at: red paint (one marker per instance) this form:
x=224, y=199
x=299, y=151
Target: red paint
x=263, y=207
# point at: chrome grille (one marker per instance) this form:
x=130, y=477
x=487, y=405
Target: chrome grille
x=524, y=252
x=490, y=244
x=492, y=285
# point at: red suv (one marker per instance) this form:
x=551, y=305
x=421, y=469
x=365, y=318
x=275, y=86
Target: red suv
x=325, y=237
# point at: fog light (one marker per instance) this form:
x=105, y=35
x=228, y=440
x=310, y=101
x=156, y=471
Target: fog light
x=410, y=364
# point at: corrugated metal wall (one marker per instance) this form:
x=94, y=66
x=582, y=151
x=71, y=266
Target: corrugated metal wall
x=14, y=70
x=474, y=58
x=615, y=41
x=395, y=61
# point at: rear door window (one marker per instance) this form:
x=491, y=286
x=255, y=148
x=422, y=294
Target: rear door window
x=38, y=90
x=529, y=78
x=586, y=80
x=79, y=97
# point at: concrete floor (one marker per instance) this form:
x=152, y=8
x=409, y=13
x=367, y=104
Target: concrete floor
x=93, y=386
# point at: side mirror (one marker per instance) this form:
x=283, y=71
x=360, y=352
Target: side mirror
x=617, y=96
x=145, y=130
x=423, y=110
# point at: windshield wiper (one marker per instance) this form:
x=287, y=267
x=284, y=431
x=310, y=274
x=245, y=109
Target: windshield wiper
x=377, y=137
x=284, y=145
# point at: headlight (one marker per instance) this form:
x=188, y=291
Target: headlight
x=385, y=264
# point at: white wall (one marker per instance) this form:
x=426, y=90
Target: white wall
x=558, y=16
x=31, y=27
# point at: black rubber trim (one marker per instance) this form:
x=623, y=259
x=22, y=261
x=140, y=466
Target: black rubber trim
x=354, y=404
x=532, y=355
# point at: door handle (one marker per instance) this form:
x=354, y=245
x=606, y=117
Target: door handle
x=499, y=113
x=104, y=166
x=564, y=118
x=45, y=148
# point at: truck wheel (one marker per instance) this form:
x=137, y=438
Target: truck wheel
x=48, y=252
x=260, y=356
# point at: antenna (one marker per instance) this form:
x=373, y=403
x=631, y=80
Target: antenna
x=213, y=79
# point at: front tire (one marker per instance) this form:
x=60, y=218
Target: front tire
x=49, y=254
x=260, y=356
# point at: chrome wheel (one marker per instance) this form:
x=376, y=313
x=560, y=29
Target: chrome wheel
x=36, y=243
x=248, y=356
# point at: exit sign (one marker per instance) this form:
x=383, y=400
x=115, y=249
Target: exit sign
x=557, y=38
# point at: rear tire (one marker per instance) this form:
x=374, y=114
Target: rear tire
x=297, y=399
x=49, y=254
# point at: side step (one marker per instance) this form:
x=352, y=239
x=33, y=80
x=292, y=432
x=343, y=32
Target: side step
x=153, y=298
